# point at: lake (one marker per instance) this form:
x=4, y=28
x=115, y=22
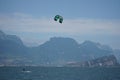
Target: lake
x=59, y=73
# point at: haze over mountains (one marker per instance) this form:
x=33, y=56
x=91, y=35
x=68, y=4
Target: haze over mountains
x=56, y=51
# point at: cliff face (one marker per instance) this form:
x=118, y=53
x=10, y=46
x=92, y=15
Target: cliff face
x=99, y=62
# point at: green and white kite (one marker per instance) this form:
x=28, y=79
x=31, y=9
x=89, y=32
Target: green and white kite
x=58, y=17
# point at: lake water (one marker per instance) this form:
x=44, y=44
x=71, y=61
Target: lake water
x=59, y=73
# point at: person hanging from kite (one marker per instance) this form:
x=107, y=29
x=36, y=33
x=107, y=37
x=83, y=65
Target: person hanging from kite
x=58, y=17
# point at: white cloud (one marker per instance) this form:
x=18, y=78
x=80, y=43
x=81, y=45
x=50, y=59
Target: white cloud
x=26, y=23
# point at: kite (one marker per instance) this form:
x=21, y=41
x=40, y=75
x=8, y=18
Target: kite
x=58, y=17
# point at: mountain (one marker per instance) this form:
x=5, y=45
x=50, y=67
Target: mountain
x=11, y=44
x=94, y=50
x=56, y=51
x=13, y=51
x=59, y=50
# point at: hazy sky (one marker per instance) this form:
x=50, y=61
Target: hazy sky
x=32, y=20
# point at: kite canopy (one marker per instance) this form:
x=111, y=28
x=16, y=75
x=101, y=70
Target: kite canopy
x=58, y=17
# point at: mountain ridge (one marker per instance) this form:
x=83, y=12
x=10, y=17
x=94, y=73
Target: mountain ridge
x=55, y=51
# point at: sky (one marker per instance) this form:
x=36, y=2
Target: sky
x=33, y=20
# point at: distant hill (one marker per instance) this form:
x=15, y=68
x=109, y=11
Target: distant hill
x=94, y=50
x=11, y=45
x=59, y=50
x=12, y=50
x=56, y=51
